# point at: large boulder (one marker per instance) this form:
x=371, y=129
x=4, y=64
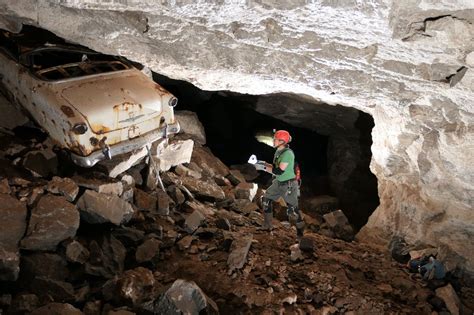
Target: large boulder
x=102, y=208
x=191, y=125
x=53, y=220
x=185, y=297
x=13, y=223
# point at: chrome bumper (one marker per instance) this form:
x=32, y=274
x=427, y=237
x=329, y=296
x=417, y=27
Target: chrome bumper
x=126, y=146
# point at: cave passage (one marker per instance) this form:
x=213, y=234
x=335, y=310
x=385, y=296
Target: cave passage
x=334, y=161
x=331, y=143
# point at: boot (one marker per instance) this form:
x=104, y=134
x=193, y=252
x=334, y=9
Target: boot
x=300, y=229
x=267, y=221
x=267, y=215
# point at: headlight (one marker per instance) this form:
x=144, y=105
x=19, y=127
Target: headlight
x=80, y=128
x=173, y=102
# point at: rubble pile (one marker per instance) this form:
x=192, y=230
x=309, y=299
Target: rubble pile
x=90, y=243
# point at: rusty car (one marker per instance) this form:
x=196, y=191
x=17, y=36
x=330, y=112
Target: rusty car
x=93, y=105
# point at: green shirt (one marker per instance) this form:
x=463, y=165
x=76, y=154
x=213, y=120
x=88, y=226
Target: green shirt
x=285, y=155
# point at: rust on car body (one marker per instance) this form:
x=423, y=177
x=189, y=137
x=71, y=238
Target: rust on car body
x=67, y=111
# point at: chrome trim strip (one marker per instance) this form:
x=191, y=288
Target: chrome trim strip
x=126, y=146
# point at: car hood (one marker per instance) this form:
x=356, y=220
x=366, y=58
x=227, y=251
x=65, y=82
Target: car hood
x=117, y=100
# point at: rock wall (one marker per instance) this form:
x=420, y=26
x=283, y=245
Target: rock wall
x=408, y=63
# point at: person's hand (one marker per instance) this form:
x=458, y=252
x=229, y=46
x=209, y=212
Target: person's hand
x=268, y=167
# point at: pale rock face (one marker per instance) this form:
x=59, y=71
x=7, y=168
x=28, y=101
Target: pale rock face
x=408, y=63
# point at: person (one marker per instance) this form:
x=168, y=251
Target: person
x=284, y=184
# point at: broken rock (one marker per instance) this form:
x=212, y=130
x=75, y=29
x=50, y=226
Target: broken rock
x=163, y=202
x=41, y=163
x=203, y=156
x=53, y=220
x=57, y=309
x=185, y=297
x=102, y=208
x=236, y=177
x=63, y=186
x=191, y=125
x=296, y=254
x=9, y=265
x=59, y=291
x=239, y=250
x=107, y=256
x=339, y=224
x=193, y=221
x=121, y=163
x=450, y=298
x=135, y=286
x=246, y=191
x=174, y=154
x=203, y=189
x=321, y=205
x=76, y=252
x=149, y=251
x=13, y=222
x=144, y=201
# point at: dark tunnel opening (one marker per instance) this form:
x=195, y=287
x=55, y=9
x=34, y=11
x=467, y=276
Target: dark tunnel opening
x=334, y=162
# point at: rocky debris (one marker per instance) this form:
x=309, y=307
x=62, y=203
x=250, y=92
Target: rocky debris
x=321, y=205
x=224, y=224
x=163, y=203
x=235, y=177
x=399, y=249
x=41, y=163
x=126, y=267
x=239, y=251
x=296, y=254
x=63, y=186
x=121, y=163
x=59, y=291
x=450, y=298
x=76, y=252
x=4, y=187
x=9, y=265
x=100, y=183
x=101, y=208
x=244, y=206
x=13, y=223
x=185, y=297
x=246, y=191
x=149, y=251
x=42, y=264
x=174, y=154
x=203, y=157
x=107, y=257
x=24, y=303
x=193, y=221
x=132, y=287
x=182, y=170
x=53, y=220
x=203, y=189
x=306, y=244
x=339, y=224
x=57, y=309
x=144, y=201
x=191, y=125
x=176, y=194
x=249, y=171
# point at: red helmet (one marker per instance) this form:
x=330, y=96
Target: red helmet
x=282, y=135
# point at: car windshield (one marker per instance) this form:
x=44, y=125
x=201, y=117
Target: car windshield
x=74, y=70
